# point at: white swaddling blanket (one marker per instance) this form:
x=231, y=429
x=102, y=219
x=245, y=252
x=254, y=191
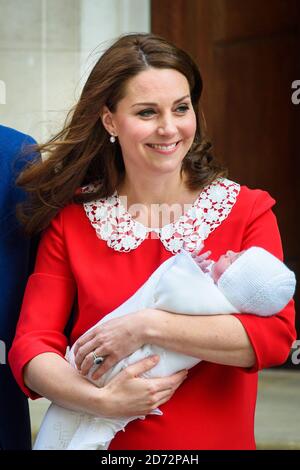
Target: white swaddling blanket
x=177, y=286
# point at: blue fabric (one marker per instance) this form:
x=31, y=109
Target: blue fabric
x=16, y=255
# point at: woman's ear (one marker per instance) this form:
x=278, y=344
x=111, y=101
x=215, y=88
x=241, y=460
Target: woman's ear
x=108, y=121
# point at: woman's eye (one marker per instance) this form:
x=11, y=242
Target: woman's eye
x=182, y=108
x=146, y=112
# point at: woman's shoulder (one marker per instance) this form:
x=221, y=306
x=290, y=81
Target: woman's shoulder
x=70, y=216
x=249, y=205
x=237, y=195
x=255, y=198
x=75, y=209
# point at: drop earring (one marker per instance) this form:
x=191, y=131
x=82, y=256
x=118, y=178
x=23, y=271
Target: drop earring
x=112, y=139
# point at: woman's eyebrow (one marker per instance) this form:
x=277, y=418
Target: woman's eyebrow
x=155, y=104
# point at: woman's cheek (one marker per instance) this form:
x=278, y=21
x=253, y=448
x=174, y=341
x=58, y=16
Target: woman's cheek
x=137, y=130
x=144, y=130
x=190, y=126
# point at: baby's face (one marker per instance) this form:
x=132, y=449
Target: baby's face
x=223, y=263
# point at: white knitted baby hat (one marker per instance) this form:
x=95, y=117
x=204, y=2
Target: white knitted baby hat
x=258, y=282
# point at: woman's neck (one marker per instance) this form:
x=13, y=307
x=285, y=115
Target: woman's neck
x=156, y=203
x=155, y=191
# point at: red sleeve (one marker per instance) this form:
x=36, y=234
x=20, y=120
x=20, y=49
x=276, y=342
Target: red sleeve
x=47, y=304
x=271, y=337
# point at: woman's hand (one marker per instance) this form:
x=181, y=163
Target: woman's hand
x=128, y=394
x=112, y=340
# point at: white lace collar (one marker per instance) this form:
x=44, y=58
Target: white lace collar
x=122, y=233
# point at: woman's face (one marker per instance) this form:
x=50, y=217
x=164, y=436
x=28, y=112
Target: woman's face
x=155, y=122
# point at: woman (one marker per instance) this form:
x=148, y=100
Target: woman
x=135, y=136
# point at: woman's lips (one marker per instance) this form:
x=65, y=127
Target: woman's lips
x=165, y=149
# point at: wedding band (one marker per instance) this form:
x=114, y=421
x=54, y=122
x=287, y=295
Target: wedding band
x=97, y=359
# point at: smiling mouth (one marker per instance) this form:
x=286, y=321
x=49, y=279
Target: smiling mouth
x=164, y=147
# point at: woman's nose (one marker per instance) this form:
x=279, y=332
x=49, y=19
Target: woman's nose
x=167, y=127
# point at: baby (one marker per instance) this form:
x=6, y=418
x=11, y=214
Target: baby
x=252, y=281
x=216, y=269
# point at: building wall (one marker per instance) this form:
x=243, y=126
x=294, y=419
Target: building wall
x=47, y=48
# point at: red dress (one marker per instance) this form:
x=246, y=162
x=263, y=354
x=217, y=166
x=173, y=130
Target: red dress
x=214, y=408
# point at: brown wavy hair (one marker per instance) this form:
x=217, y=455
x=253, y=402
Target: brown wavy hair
x=82, y=154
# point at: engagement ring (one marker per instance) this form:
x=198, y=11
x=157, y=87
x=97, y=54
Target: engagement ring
x=97, y=359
